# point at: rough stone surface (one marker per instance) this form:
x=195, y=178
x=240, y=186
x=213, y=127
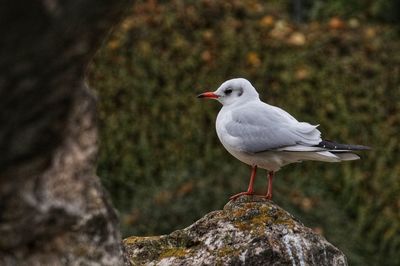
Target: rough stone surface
x=248, y=231
x=53, y=210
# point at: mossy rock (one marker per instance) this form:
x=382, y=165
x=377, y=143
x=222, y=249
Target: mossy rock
x=250, y=230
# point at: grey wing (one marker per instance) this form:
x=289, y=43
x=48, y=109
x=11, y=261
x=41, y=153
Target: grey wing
x=264, y=127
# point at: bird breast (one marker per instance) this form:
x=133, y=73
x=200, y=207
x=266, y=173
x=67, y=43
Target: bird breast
x=224, y=116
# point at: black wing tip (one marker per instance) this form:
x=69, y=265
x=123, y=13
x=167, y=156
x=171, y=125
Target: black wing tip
x=360, y=148
x=328, y=144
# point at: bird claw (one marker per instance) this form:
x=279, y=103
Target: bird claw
x=234, y=197
x=268, y=197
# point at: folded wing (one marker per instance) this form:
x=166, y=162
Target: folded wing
x=261, y=127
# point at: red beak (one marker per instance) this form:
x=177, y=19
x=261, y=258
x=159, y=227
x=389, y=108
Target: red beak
x=208, y=95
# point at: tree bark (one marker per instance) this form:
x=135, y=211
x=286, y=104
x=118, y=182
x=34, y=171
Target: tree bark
x=53, y=210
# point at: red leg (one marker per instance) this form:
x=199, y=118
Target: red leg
x=251, y=185
x=269, y=192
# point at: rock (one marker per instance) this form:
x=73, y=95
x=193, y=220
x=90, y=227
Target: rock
x=53, y=209
x=248, y=231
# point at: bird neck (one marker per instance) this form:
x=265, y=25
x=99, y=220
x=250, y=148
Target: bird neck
x=241, y=102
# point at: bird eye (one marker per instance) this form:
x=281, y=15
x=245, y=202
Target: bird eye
x=228, y=91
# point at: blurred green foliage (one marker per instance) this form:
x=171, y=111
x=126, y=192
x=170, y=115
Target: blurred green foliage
x=382, y=10
x=160, y=157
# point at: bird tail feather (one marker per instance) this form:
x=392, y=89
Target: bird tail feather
x=347, y=156
x=328, y=156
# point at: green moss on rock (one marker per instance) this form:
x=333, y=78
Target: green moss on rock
x=249, y=230
x=173, y=252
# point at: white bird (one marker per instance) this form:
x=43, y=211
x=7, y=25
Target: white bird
x=265, y=136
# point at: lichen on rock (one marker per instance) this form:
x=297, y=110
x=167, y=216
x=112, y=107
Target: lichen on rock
x=248, y=231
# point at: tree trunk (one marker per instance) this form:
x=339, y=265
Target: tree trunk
x=53, y=210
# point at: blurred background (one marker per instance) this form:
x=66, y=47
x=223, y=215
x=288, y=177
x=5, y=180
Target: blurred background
x=333, y=63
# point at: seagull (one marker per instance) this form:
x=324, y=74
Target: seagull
x=265, y=136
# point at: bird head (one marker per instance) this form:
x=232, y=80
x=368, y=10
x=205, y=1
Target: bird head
x=233, y=91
